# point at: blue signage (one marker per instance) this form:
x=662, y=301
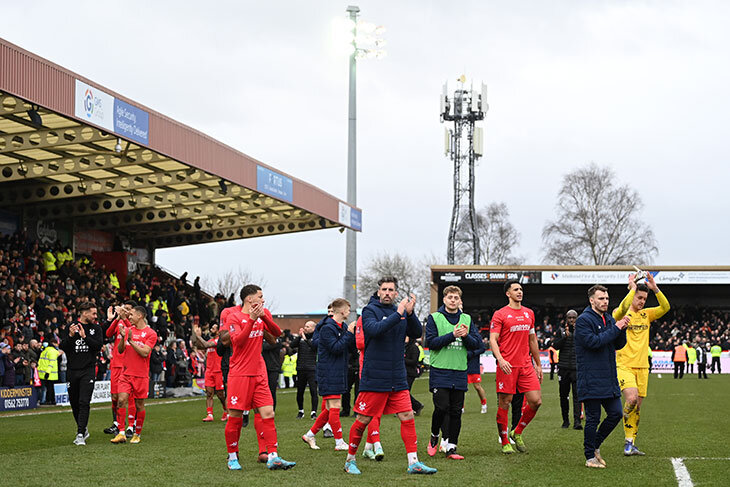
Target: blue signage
x=356, y=219
x=16, y=398
x=274, y=184
x=131, y=122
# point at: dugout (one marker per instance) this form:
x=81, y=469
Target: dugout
x=89, y=169
x=564, y=287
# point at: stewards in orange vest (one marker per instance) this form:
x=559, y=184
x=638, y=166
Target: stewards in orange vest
x=553, y=355
x=679, y=357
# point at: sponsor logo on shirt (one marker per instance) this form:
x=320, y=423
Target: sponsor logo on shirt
x=519, y=328
x=256, y=333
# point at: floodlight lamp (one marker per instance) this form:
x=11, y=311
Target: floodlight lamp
x=118, y=147
x=366, y=27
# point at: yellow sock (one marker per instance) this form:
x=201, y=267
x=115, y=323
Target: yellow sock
x=631, y=424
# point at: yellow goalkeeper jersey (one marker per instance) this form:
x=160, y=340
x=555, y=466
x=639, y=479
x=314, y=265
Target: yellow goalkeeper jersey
x=636, y=352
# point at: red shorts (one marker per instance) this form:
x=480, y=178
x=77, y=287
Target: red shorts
x=522, y=379
x=115, y=377
x=214, y=379
x=136, y=387
x=331, y=396
x=249, y=392
x=473, y=378
x=378, y=403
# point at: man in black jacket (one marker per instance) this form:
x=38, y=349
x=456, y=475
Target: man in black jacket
x=81, y=344
x=306, y=367
x=272, y=353
x=567, y=375
x=412, y=352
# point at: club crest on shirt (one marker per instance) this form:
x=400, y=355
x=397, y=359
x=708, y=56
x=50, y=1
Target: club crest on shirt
x=501, y=385
x=91, y=332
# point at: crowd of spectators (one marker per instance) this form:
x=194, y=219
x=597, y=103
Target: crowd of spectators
x=41, y=287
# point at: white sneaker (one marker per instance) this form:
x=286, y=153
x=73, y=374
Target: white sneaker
x=594, y=463
x=309, y=440
x=484, y=409
x=342, y=446
x=80, y=440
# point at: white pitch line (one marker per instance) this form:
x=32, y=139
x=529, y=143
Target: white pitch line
x=681, y=472
x=97, y=408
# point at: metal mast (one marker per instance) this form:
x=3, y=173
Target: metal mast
x=463, y=145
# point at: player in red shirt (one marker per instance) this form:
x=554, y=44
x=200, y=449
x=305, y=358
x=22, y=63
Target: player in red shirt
x=117, y=366
x=213, y=373
x=135, y=380
x=373, y=448
x=248, y=387
x=512, y=338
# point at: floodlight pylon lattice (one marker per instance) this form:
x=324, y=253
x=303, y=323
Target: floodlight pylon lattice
x=463, y=145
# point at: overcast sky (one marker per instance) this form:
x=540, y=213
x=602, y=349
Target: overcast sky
x=640, y=86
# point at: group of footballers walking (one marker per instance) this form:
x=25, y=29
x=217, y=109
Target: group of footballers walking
x=380, y=335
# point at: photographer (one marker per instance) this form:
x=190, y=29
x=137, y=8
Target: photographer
x=567, y=375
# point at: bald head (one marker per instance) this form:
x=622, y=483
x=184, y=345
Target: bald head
x=309, y=326
x=571, y=314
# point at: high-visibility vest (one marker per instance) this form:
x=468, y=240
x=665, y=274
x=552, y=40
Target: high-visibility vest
x=114, y=280
x=692, y=354
x=49, y=261
x=680, y=353
x=287, y=366
x=48, y=363
x=716, y=350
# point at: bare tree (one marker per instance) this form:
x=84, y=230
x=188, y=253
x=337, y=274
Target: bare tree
x=498, y=238
x=231, y=282
x=597, y=222
x=413, y=277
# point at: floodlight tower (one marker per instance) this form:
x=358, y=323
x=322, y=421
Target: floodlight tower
x=464, y=145
x=363, y=40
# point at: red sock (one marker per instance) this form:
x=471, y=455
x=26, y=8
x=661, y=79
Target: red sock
x=374, y=430
x=408, y=433
x=132, y=411
x=335, y=423
x=321, y=420
x=258, y=425
x=527, y=414
x=140, y=420
x=502, y=425
x=484, y=401
x=233, y=433
x=209, y=411
x=114, y=409
x=269, y=428
x=121, y=418
x=356, y=432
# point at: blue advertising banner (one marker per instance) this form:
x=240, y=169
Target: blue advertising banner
x=17, y=398
x=274, y=184
x=131, y=122
x=356, y=219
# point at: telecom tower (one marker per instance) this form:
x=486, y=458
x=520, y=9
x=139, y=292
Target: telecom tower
x=464, y=145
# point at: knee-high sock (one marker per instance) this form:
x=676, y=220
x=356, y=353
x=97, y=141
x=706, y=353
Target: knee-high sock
x=233, y=433
x=114, y=409
x=121, y=418
x=132, y=411
x=374, y=430
x=356, y=432
x=527, y=414
x=408, y=434
x=631, y=424
x=502, y=418
x=258, y=424
x=334, y=417
x=321, y=420
x=269, y=428
x=140, y=420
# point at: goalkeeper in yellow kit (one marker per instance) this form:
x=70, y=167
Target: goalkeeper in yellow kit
x=632, y=361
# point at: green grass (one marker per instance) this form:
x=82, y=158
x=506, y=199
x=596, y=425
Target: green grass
x=679, y=419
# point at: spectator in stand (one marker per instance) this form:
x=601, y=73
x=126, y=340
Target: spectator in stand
x=157, y=359
x=7, y=368
x=171, y=364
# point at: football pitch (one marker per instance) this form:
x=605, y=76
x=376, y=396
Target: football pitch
x=684, y=432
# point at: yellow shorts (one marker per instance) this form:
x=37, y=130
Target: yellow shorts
x=633, y=377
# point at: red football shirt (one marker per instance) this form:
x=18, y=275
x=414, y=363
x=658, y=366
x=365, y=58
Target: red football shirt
x=514, y=327
x=213, y=360
x=113, y=331
x=136, y=365
x=246, y=339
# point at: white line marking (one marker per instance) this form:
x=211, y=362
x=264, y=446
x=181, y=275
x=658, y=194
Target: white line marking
x=97, y=408
x=681, y=472
x=706, y=458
